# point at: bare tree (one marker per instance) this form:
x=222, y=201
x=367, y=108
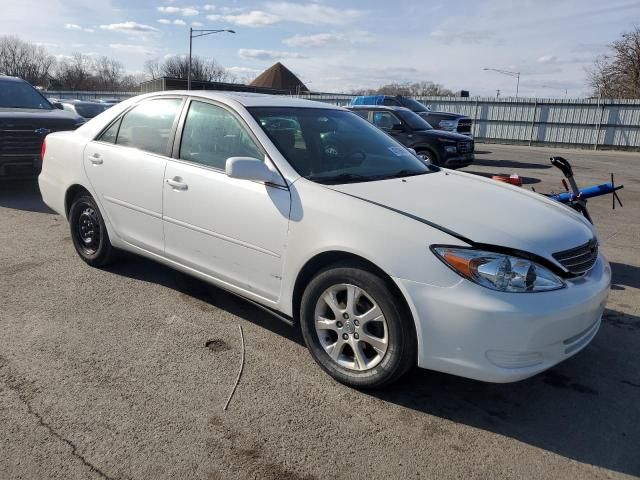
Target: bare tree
x=416, y=89
x=617, y=73
x=76, y=72
x=153, y=68
x=177, y=66
x=108, y=73
x=25, y=60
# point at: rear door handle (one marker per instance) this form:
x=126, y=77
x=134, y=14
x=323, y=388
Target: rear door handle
x=95, y=159
x=176, y=183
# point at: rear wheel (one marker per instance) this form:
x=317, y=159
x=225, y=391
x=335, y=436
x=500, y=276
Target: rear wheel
x=89, y=233
x=355, y=328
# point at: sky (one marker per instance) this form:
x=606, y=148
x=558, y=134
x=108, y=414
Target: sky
x=340, y=45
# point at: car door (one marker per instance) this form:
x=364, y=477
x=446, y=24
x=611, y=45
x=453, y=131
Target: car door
x=232, y=230
x=125, y=166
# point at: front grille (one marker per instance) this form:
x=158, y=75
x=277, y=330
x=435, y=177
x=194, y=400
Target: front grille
x=465, y=147
x=20, y=140
x=579, y=260
x=464, y=126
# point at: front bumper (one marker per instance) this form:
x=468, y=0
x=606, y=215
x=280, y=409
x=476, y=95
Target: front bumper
x=459, y=161
x=475, y=332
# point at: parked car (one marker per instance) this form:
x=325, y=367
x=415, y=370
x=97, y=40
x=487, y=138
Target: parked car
x=451, y=122
x=445, y=149
x=109, y=101
x=26, y=117
x=83, y=108
x=383, y=260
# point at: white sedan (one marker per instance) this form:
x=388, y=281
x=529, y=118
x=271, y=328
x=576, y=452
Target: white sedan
x=312, y=212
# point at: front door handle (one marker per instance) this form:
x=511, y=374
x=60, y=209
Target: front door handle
x=95, y=159
x=176, y=183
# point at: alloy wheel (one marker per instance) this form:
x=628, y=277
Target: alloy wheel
x=351, y=327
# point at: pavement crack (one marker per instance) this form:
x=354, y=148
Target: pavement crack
x=16, y=386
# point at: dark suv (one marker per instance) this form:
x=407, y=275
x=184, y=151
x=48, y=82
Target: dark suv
x=26, y=117
x=451, y=122
x=446, y=149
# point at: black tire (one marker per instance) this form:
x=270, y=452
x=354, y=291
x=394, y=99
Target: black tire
x=435, y=160
x=401, y=352
x=89, y=233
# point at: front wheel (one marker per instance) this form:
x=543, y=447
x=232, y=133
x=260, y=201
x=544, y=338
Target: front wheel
x=356, y=329
x=428, y=157
x=89, y=233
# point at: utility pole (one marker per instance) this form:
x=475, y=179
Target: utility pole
x=199, y=33
x=509, y=73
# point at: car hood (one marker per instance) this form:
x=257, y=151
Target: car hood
x=55, y=119
x=441, y=134
x=479, y=210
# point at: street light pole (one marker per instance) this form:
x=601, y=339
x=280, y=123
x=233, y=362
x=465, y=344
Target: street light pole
x=190, y=50
x=199, y=33
x=509, y=74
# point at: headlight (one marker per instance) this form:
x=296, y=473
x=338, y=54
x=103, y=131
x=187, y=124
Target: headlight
x=497, y=271
x=448, y=124
x=450, y=149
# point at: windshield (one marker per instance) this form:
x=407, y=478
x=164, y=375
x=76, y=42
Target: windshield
x=415, y=121
x=21, y=95
x=414, y=105
x=90, y=110
x=336, y=146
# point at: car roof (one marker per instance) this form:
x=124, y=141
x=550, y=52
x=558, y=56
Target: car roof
x=249, y=99
x=379, y=107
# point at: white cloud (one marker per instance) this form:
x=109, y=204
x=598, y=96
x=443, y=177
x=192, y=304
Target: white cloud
x=74, y=26
x=254, y=18
x=164, y=21
x=317, y=40
x=547, y=59
x=178, y=21
x=209, y=7
x=129, y=27
x=197, y=24
x=257, y=54
x=47, y=45
x=314, y=13
x=243, y=70
x=184, y=11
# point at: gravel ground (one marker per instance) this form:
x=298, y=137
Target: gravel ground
x=107, y=373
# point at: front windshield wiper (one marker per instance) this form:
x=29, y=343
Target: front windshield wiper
x=408, y=173
x=341, y=178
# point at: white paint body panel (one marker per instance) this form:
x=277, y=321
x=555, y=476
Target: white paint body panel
x=231, y=229
x=254, y=239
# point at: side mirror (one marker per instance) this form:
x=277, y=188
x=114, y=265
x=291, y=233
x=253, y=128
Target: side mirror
x=247, y=168
x=57, y=105
x=397, y=127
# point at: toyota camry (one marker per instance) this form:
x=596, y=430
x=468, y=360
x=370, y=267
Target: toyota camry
x=307, y=209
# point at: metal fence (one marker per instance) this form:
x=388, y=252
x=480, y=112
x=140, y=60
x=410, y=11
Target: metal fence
x=86, y=95
x=590, y=123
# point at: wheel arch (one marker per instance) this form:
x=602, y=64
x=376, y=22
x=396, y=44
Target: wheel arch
x=333, y=257
x=430, y=148
x=71, y=194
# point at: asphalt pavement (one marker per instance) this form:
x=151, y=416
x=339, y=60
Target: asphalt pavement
x=124, y=372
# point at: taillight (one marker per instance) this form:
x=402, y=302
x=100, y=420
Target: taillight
x=43, y=149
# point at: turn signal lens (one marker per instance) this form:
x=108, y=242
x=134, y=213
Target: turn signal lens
x=43, y=149
x=500, y=272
